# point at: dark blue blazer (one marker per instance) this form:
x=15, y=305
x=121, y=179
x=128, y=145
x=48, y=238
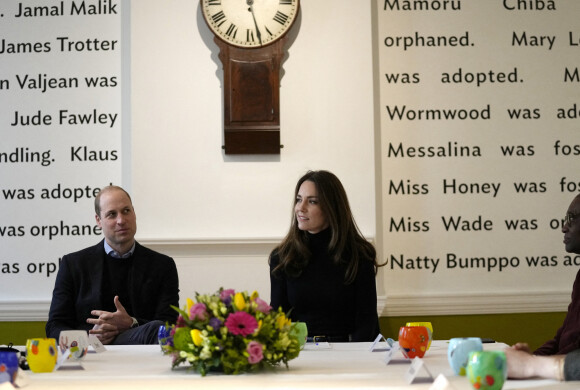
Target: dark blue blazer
x=152, y=286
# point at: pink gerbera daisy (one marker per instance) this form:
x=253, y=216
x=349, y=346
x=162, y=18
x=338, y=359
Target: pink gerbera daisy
x=241, y=323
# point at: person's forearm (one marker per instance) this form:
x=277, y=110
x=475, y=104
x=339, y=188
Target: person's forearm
x=551, y=367
x=523, y=365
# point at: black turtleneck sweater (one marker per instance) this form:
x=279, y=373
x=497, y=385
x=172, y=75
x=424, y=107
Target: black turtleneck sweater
x=320, y=298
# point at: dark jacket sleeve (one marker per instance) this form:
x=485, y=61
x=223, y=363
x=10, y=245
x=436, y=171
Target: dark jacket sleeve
x=63, y=314
x=155, y=287
x=550, y=347
x=168, y=294
x=572, y=366
x=567, y=338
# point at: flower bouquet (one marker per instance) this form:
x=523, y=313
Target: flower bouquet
x=232, y=332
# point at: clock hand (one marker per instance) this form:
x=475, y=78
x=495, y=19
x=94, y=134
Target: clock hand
x=251, y=9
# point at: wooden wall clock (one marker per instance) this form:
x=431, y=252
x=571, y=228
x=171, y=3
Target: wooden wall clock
x=251, y=35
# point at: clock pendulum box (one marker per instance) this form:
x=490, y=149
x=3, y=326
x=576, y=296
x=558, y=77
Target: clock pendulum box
x=251, y=36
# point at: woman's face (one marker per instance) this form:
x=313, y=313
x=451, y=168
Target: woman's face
x=307, y=209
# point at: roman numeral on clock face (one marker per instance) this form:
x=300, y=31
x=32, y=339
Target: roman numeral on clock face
x=249, y=35
x=281, y=17
x=232, y=31
x=219, y=18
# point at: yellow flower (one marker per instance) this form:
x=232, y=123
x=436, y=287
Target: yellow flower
x=189, y=304
x=254, y=295
x=239, y=301
x=196, y=337
x=282, y=322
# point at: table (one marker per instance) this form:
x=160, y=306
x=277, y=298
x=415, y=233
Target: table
x=342, y=366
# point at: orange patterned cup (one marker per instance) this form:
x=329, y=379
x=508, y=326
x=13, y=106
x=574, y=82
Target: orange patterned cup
x=413, y=340
x=41, y=354
x=429, y=329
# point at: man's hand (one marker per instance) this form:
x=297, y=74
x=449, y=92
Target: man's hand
x=106, y=333
x=520, y=363
x=524, y=347
x=108, y=325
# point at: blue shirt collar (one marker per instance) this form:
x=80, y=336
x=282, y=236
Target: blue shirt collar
x=113, y=253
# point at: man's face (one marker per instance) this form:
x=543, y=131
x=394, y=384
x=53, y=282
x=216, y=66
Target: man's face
x=118, y=220
x=571, y=229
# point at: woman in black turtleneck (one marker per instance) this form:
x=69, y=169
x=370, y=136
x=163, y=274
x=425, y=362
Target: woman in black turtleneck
x=324, y=271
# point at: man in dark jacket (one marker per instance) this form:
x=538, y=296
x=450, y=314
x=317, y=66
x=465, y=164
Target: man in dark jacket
x=92, y=283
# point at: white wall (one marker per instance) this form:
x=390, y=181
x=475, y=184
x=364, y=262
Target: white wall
x=187, y=193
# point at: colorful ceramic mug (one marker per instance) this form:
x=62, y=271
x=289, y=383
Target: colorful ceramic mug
x=299, y=330
x=426, y=325
x=8, y=365
x=413, y=340
x=77, y=341
x=165, y=338
x=458, y=352
x=487, y=369
x=41, y=354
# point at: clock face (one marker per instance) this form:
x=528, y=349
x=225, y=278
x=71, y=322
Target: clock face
x=249, y=23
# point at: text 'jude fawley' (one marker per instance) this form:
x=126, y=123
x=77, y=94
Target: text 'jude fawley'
x=65, y=117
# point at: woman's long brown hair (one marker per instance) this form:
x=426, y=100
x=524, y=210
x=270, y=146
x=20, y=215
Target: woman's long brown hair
x=347, y=244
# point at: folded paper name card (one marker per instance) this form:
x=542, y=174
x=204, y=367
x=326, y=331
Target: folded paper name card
x=441, y=383
x=396, y=353
x=96, y=344
x=381, y=344
x=61, y=358
x=418, y=372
